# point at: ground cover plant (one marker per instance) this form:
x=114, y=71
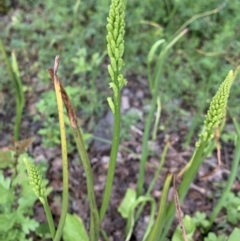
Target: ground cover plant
x=84, y=66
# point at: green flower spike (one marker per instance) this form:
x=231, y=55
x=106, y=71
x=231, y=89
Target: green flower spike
x=217, y=108
x=35, y=180
x=115, y=34
x=115, y=47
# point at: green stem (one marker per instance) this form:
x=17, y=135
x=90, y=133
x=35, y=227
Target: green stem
x=110, y=142
x=184, y=186
x=20, y=96
x=167, y=6
x=233, y=174
x=75, y=13
x=18, y=88
x=155, y=233
x=94, y=220
x=156, y=175
x=200, y=15
x=49, y=218
x=8, y=65
x=113, y=157
x=104, y=235
x=158, y=114
x=173, y=12
x=18, y=118
x=64, y=160
x=162, y=56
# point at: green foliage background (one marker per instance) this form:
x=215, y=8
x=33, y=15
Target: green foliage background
x=38, y=30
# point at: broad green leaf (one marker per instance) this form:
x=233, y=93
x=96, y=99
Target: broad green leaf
x=189, y=225
x=127, y=203
x=74, y=229
x=235, y=235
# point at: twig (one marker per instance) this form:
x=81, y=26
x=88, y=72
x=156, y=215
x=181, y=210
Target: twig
x=56, y=63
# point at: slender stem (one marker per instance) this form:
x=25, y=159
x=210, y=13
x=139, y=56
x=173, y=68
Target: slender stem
x=200, y=15
x=159, y=223
x=110, y=142
x=158, y=114
x=49, y=218
x=18, y=119
x=94, y=220
x=75, y=13
x=184, y=186
x=20, y=96
x=173, y=12
x=64, y=154
x=231, y=178
x=167, y=6
x=156, y=175
x=144, y=155
x=104, y=235
x=113, y=157
x=18, y=87
x=149, y=119
x=8, y=65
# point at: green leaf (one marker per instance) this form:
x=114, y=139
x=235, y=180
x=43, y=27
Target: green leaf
x=190, y=227
x=5, y=182
x=43, y=231
x=29, y=225
x=234, y=235
x=214, y=237
x=153, y=50
x=25, y=205
x=15, y=234
x=6, y=159
x=211, y=237
x=126, y=205
x=74, y=229
x=233, y=216
x=200, y=219
x=7, y=221
x=111, y=104
x=6, y=193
